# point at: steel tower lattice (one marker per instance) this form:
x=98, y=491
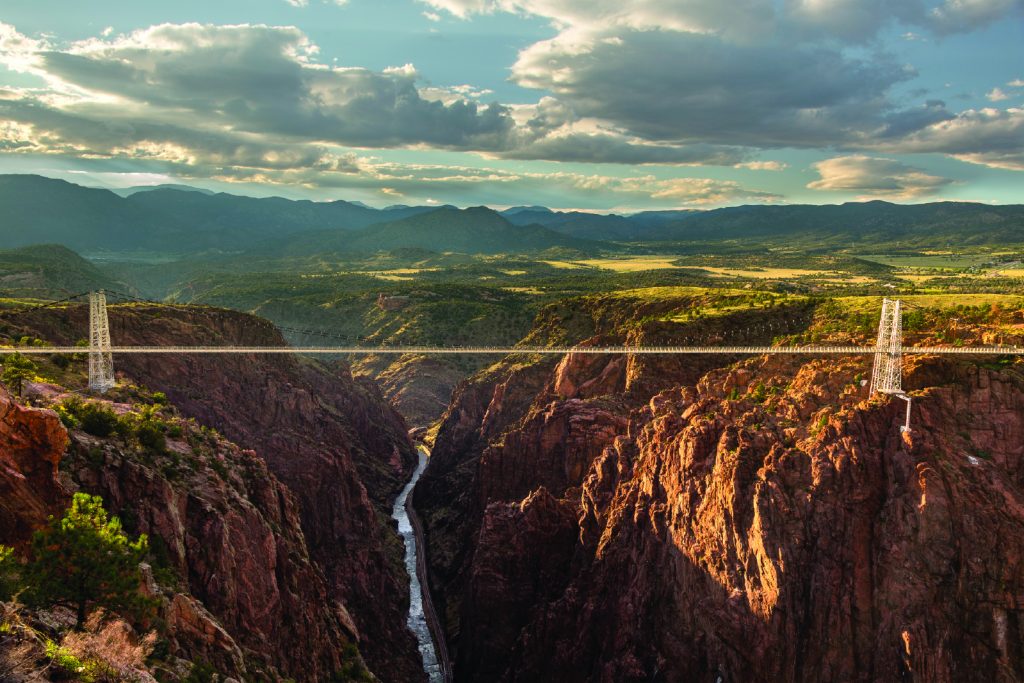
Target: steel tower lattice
x=887, y=374
x=101, y=360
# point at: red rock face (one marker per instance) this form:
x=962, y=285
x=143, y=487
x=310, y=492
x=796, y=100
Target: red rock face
x=32, y=442
x=253, y=600
x=330, y=438
x=759, y=522
x=236, y=543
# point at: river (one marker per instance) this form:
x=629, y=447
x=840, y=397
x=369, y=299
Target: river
x=418, y=618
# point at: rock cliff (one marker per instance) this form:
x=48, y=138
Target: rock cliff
x=32, y=442
x=340, y=453
x=233, y=582
x=750, y=520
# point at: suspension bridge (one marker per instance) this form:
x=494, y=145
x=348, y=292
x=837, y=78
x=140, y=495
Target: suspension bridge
x=886, y=376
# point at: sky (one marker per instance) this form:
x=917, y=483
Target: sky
x=601, y=105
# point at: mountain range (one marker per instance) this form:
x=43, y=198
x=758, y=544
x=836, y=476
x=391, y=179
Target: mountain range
x=180, y=219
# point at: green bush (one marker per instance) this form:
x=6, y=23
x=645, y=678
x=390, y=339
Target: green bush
x=10, y=572
x=85, y=560
x=352, y=669
x=65, y=662
x=97, y=419
x=151, y=436
x=201, y=672
x=67, y=416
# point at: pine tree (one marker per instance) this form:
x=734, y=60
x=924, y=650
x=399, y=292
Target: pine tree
x=17, y=369
x=85, y=560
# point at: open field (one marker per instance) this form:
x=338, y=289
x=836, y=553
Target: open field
x=631, y=264
x=932, y=261
x=941, y=301
x=767, y=273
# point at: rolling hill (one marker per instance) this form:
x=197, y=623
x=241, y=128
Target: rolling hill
x=477, y=230
x=183, y=221
x=38, y=209
x=48, y=271
x=854, y=223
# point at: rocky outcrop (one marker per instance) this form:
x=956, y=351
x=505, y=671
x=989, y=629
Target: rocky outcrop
x=32, y=442
x=760, y=521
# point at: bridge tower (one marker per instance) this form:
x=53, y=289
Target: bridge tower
x=101, y=361
x=887, y=374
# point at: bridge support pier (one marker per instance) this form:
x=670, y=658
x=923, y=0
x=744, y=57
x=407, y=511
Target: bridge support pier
x=906, y=426
x=887, y=374
x=101, y=360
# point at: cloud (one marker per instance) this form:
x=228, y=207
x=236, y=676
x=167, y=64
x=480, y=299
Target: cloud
x=305, y=3
x=701, y=88
x=171, y=89
x=996, y=95
x=955, y=16
x=763, y=165
x=850, y=20
x=875, y=177
x=217, y=96
x=1016, y=83
x=264, y=80
x=611, y=149
x=755, y=73
x=705, y=191
x=990, y=137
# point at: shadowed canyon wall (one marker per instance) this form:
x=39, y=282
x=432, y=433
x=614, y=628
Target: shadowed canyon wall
x=609, y=519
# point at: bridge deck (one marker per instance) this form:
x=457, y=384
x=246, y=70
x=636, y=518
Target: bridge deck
x=505, y=350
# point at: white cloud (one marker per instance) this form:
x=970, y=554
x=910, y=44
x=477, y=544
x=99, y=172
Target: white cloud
x=1016, y=83
x=432, y=16
x=763, y=165
x=305, y=3
x=996, y=95
x=872, y=177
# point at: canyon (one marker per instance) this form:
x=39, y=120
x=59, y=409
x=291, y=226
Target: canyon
x=584, y=518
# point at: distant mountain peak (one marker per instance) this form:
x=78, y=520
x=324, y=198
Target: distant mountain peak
x=176, y=187
x=513, y=210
